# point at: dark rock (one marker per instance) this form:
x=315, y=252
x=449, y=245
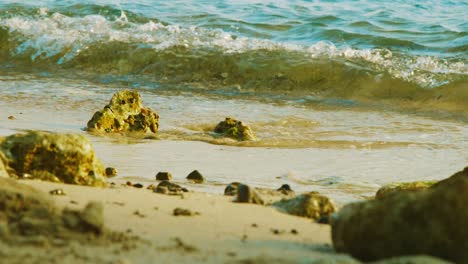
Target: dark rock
x=163, y=176
x=231, y=189
x=412, y=260
x=11, y=117
x=235, y=129
x=138, y=185
x=125, y=112
x=403, y=187
x=428, y=222
x=67, y=158
x=196, y=177
x=246, y=194
x=311, y=205
x=167, y=187
x=294, y=231
x=324, y=220
x=111, y=172
x=285, y=189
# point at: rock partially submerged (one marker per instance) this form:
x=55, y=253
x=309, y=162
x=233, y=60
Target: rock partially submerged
x=125, y=112
x=428, y=222
x=196, y=177
x=67, y=158
x=403, y=187
x=235, y=129
x=311, y=205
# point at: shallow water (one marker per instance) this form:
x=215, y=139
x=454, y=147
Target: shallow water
x=344, y=95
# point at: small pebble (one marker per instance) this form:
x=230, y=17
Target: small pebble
x=254, y=225
x=183, y=212
x=129, y=183
x=73, y=202
x=137, y=213
x=57, y=192
x=11, y=117
x=294, y=232
x=138, y=185
x=276, y=231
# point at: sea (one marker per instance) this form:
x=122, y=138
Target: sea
x=344, y=95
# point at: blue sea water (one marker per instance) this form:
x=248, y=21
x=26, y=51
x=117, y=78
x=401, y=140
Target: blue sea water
x=357, y=50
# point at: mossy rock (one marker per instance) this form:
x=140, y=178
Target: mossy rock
x=311, y=205
x=235, y=129
x=125, y=112
x=67, y=158
x=430, y=221
x=403, y=187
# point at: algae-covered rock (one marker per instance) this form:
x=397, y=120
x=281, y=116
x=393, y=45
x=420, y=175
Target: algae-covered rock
x=403, y=187
x=235, y=129
x=430, y=222
x=311, y=205
x=125, y=112
x=67, y=158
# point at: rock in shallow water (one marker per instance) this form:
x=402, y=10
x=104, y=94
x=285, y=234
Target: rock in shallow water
x=425, y=222
x=235, y=129
x=125, y=112
x=403, y=187
x=196, y=177
x=67, y=158
x=311, y=205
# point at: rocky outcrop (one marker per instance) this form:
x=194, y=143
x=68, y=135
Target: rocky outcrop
x=125, y=112
x=428, y=222
x=311, y=205
x=67, y=158
x=29, y=212
x=235, y=129
x=403, y=187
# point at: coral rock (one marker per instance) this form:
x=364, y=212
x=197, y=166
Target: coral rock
x=67, y=158
x=235, y=129
x=311, y=205
x=125, y=112
x=428, y=222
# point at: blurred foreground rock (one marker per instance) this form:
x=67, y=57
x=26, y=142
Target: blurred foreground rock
x=125, y=112
x=310, y=205
x=67, y=158
x=427, y=222
x=403, y=187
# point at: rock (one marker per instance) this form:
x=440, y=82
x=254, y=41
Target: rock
x=111, y=172
x=184, y=212
x=231, y=189
x=247, y=194
x=125, y=112
x=196, y=177
x=412, y=260
x=403, y=187
x=163, y=176
x=235, y=129
x=57, y=192
x=428, y=222
x=138, y=185
x=92, y=216
x=67, y=158
x=3, y=171
x=310, y=205
x=285, y=189
x=12, y=117
x=167, y=187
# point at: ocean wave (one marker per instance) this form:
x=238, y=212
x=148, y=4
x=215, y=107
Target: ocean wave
x=113, y=43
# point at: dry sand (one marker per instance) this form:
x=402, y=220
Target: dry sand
x=221, y=232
